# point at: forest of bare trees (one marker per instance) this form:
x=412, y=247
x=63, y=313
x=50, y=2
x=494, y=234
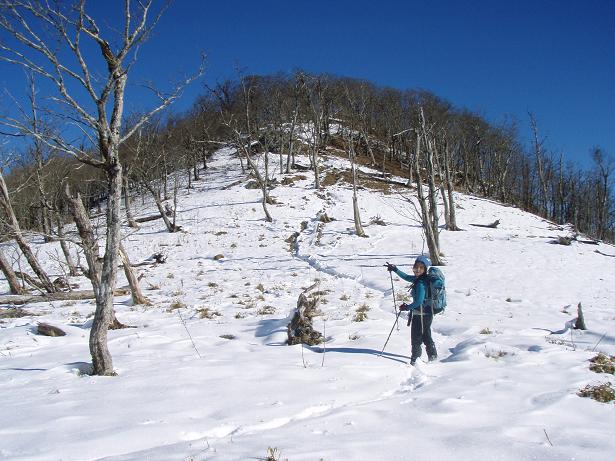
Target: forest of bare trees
x=410, y=133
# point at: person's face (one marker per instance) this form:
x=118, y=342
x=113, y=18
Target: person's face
x=418, y=269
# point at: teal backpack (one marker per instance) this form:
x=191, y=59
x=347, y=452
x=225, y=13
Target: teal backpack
x=436, y=291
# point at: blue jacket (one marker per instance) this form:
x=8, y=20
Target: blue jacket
x=419, y=289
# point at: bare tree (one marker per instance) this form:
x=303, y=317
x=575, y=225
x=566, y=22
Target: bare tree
x=72, y=268
x=298, y=90
x=541, y=168
x=48, y=40
x=11, y=278
x=429, y=210
x=133, y=281
x=605, y=168
x=349, y=135
x=17, y=235
x=448, y=181
x=317, y=98
x=243, y=134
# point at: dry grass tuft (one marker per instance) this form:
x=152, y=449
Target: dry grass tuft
x=361, y=313
x=14, y=313
x=496, y=354
x=601, y=392
x=602, y=363
x=176, y=304
x=377, y=220
x=207, y=313
x=266, y=310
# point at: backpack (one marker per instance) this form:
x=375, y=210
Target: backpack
x=436, y=291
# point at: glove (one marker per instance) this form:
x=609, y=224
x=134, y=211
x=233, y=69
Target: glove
x=404, y=308
x=391, y=267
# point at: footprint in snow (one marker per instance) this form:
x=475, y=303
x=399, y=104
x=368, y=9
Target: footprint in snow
x=414, y=382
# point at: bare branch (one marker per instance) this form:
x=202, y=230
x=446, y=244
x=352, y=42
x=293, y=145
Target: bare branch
x=166, y=100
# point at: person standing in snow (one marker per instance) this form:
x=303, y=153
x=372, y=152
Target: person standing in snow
x=420, y=319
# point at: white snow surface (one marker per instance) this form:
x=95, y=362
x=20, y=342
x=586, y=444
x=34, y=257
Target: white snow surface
x=504, y=388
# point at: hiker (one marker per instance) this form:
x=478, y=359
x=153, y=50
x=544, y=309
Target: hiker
x=420, y=317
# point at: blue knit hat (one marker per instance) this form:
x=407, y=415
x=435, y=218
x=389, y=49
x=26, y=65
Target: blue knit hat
x=424, y=260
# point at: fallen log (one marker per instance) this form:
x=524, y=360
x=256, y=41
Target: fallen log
x=299, y=167
x=378, y=177
x=18, y=300
x=233, y=184
x=152, y=217
x=493, y=225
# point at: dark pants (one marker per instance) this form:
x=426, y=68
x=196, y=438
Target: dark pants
x=421, y=334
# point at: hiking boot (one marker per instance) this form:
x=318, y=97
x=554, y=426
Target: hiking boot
x=433, y=357
x=412, y=360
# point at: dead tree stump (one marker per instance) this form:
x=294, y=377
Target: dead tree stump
x=49, y=330
x=580, y=322
x=300, y=329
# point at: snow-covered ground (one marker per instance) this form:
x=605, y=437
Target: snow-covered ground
x=505, y=386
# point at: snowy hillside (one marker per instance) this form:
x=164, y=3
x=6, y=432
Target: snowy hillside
x=206, y=373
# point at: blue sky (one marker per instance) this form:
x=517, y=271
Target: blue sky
x=555, y=58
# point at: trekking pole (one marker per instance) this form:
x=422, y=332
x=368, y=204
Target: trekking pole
x=394, y=302
x=390, y=333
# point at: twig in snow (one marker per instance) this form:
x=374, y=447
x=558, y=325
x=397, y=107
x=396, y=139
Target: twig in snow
x=302, y=357
x=599, y=341
x=324, y=342
x=187, y=331
x=547, y=435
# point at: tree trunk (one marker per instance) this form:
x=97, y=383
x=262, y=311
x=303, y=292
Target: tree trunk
x=46, y=223
x=165, y=173
x=129, y=216
x=355, y=202
x=195, y=171
x=449, y=186
x=447, y=214
x=86, y=233
x=101, y=358
x=355, y=205
x=5, y=204
x=262, y=182
x=72, y=269
x=433, y=207
x=265, y=187
x=315, y=162
x=290, y=158
x=357, y=217
x=427, y=222
x=11, y=278
x=133, y=282
x=156, y=195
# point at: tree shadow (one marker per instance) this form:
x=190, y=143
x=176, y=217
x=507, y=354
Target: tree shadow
x=352, y=350
x=25, y=369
